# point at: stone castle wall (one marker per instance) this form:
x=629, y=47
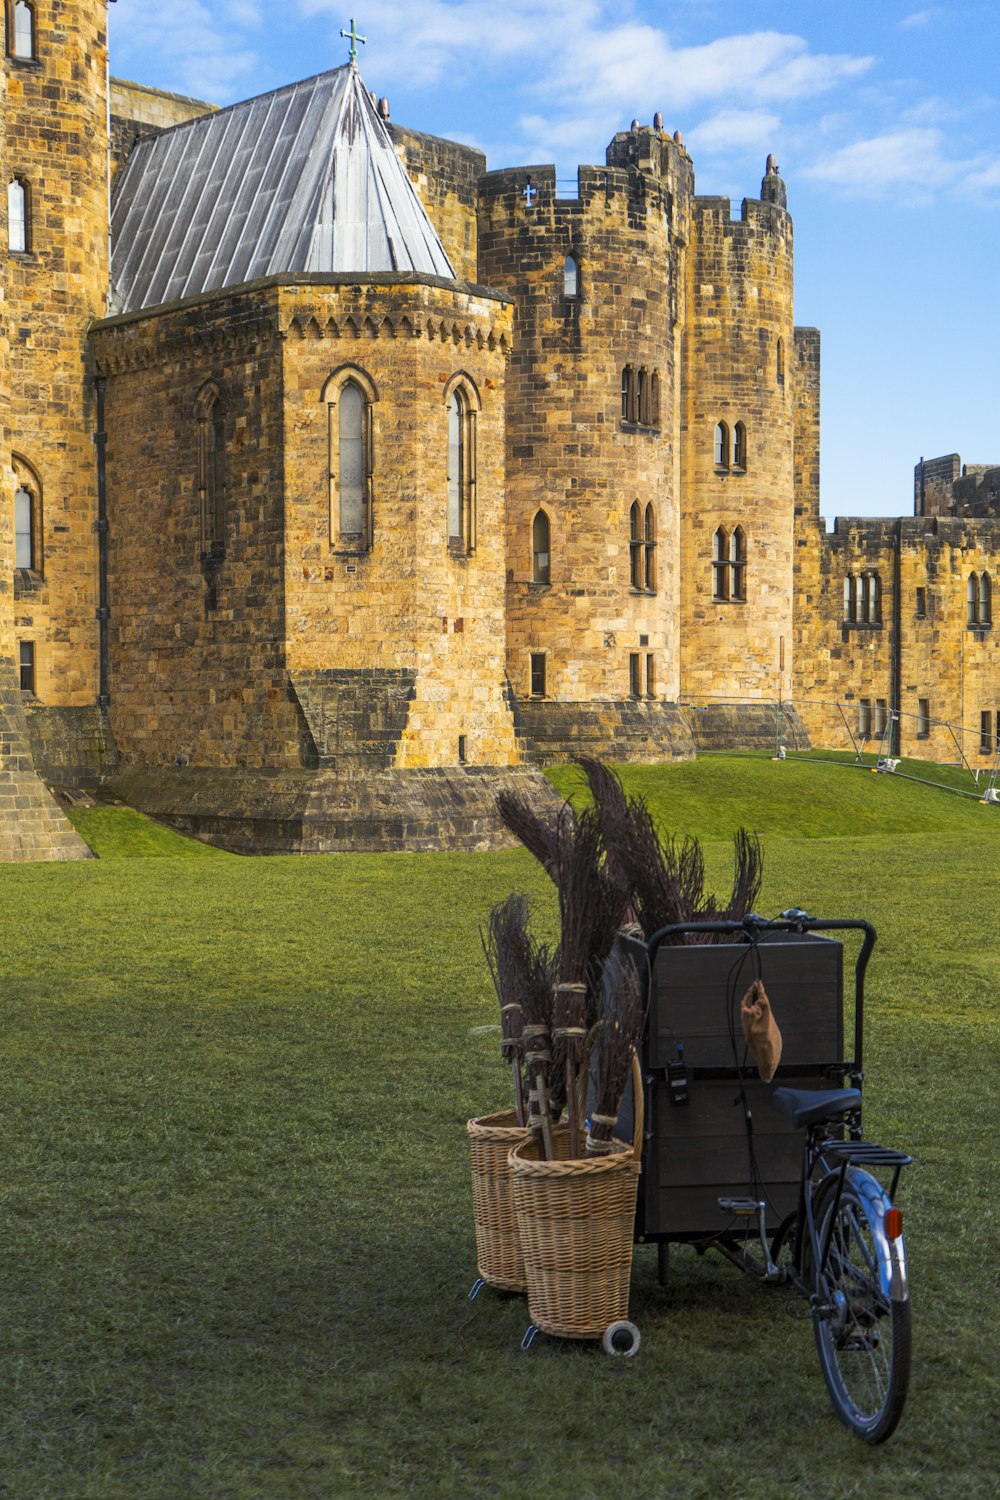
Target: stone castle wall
x=55, y=142
x=197, y=640
x=571, y=451
x=412, y=602
x=738, y=370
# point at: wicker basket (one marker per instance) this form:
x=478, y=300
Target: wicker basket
x=576, y=1220
x=498, y=1247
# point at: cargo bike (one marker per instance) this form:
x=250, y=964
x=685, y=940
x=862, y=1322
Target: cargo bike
x=777, y=1177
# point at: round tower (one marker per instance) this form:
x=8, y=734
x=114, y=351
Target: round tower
x=738, y=450
x=593, y=392
x=54, y=155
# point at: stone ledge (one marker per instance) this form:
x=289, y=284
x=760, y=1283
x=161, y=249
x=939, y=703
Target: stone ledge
x=323, y=812
x=633, y=729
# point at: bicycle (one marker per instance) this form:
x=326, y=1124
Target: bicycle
x=841, y=1245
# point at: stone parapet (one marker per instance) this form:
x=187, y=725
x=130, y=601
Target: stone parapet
x=70, y=747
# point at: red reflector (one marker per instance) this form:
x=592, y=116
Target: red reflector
x=894, y=1222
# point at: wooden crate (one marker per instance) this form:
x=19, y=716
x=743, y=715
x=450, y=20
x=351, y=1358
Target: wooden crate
x=697, y=1153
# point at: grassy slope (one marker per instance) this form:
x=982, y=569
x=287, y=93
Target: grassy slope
x=236, y=1211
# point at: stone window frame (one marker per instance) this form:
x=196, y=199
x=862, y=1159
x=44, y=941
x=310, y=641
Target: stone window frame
x=739, y=465
x=986, y=732
x=642, y=548
x=650, y=674
x=640, y=398
x=779, y=361
x=27, y=661
x=720, y=565
x=25, y=216
x=920, y=604
x=28, y=481
x=720, y=447
x=923, y=718
x=863, y=598
x=738, y=565
x=541, y=572
x=864, y=719
x=463, y=404
x=211, y=410
x=635, y=674
x=538, y=674
x=979, y=601
x=11, y=8
x=353, y=543
x=881, y=716
x=572, y=281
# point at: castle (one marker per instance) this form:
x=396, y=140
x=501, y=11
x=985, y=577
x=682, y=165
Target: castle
x=357, y=480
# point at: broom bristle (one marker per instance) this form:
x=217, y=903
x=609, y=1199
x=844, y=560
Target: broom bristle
x=617, y=1038
x=536, y=833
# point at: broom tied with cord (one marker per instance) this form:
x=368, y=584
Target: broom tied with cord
x=617, y=1038
x=537, y=1002
x=507, y=946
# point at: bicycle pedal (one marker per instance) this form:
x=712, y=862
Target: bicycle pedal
x=739, y=1205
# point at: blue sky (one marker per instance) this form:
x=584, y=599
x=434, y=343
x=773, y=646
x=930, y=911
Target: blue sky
x=885, y=119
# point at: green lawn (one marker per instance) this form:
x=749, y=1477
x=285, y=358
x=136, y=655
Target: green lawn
x=237, y=1231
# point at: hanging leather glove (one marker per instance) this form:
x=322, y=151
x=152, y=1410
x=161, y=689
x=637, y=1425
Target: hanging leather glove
x=761, y=1030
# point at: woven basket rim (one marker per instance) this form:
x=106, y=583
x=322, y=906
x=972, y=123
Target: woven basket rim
x=620, y=1160
x=499, y=1126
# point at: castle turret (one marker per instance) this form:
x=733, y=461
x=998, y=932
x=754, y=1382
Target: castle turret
x=592, y=450
x=738, y=446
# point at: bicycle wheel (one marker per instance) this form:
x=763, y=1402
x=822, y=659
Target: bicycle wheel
x=864, y=1346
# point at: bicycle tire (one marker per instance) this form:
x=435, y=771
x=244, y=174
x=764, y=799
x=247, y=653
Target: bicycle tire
x=865, y=1353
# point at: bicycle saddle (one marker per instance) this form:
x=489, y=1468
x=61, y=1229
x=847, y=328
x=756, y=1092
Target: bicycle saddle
x=806, y=1106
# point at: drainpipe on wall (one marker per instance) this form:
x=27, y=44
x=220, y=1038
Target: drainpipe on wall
x=101, y=527
x=895, y=640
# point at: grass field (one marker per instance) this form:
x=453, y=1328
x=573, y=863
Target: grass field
x=237, y=1233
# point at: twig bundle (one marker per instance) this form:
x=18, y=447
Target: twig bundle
x=569, y=1028
x=507, y=946
x=537, y=1002
x=617, y=1038
x=536, y=833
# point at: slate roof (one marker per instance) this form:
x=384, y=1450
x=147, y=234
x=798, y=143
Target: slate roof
x=305, y=179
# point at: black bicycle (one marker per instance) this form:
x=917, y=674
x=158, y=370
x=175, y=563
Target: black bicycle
x=818, y=1218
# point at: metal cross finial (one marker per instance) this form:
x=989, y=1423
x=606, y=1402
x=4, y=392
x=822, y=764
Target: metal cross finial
x=354, y=39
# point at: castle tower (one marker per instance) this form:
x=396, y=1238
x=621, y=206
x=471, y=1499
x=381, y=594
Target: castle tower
x=738, y=434
x=55, y=168
x=53, y=162
x=593, y=392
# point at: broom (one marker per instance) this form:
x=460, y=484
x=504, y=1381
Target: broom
x=537, y=1003
x=617, y=1038
x=508, y=954
x=537, y=834
x=578, y=852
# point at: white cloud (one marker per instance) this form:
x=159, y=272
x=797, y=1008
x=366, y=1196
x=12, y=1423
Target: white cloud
x=900, y=158
x=921, y=18
x=196, y=42
x=734, y=131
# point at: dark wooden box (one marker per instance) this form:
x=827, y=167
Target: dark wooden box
x=698, y=1152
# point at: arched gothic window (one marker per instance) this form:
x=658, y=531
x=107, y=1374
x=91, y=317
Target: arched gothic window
x=650, y=548
x=24, y=528
x=18, y=226
x=571, y=277
x=461, y=467
x=636, y=547
x=873, y=613
x=780, y=361
x=349, y=395
x=985, y=599
x=972, y=599
x=627, y=382
x=738, y=564
x=739, y=446
x=210, y=411
x=720, y=564
x=23, y=38
x=27, y=516
x=540, y=539
x=721, y=446
x=654, y=399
